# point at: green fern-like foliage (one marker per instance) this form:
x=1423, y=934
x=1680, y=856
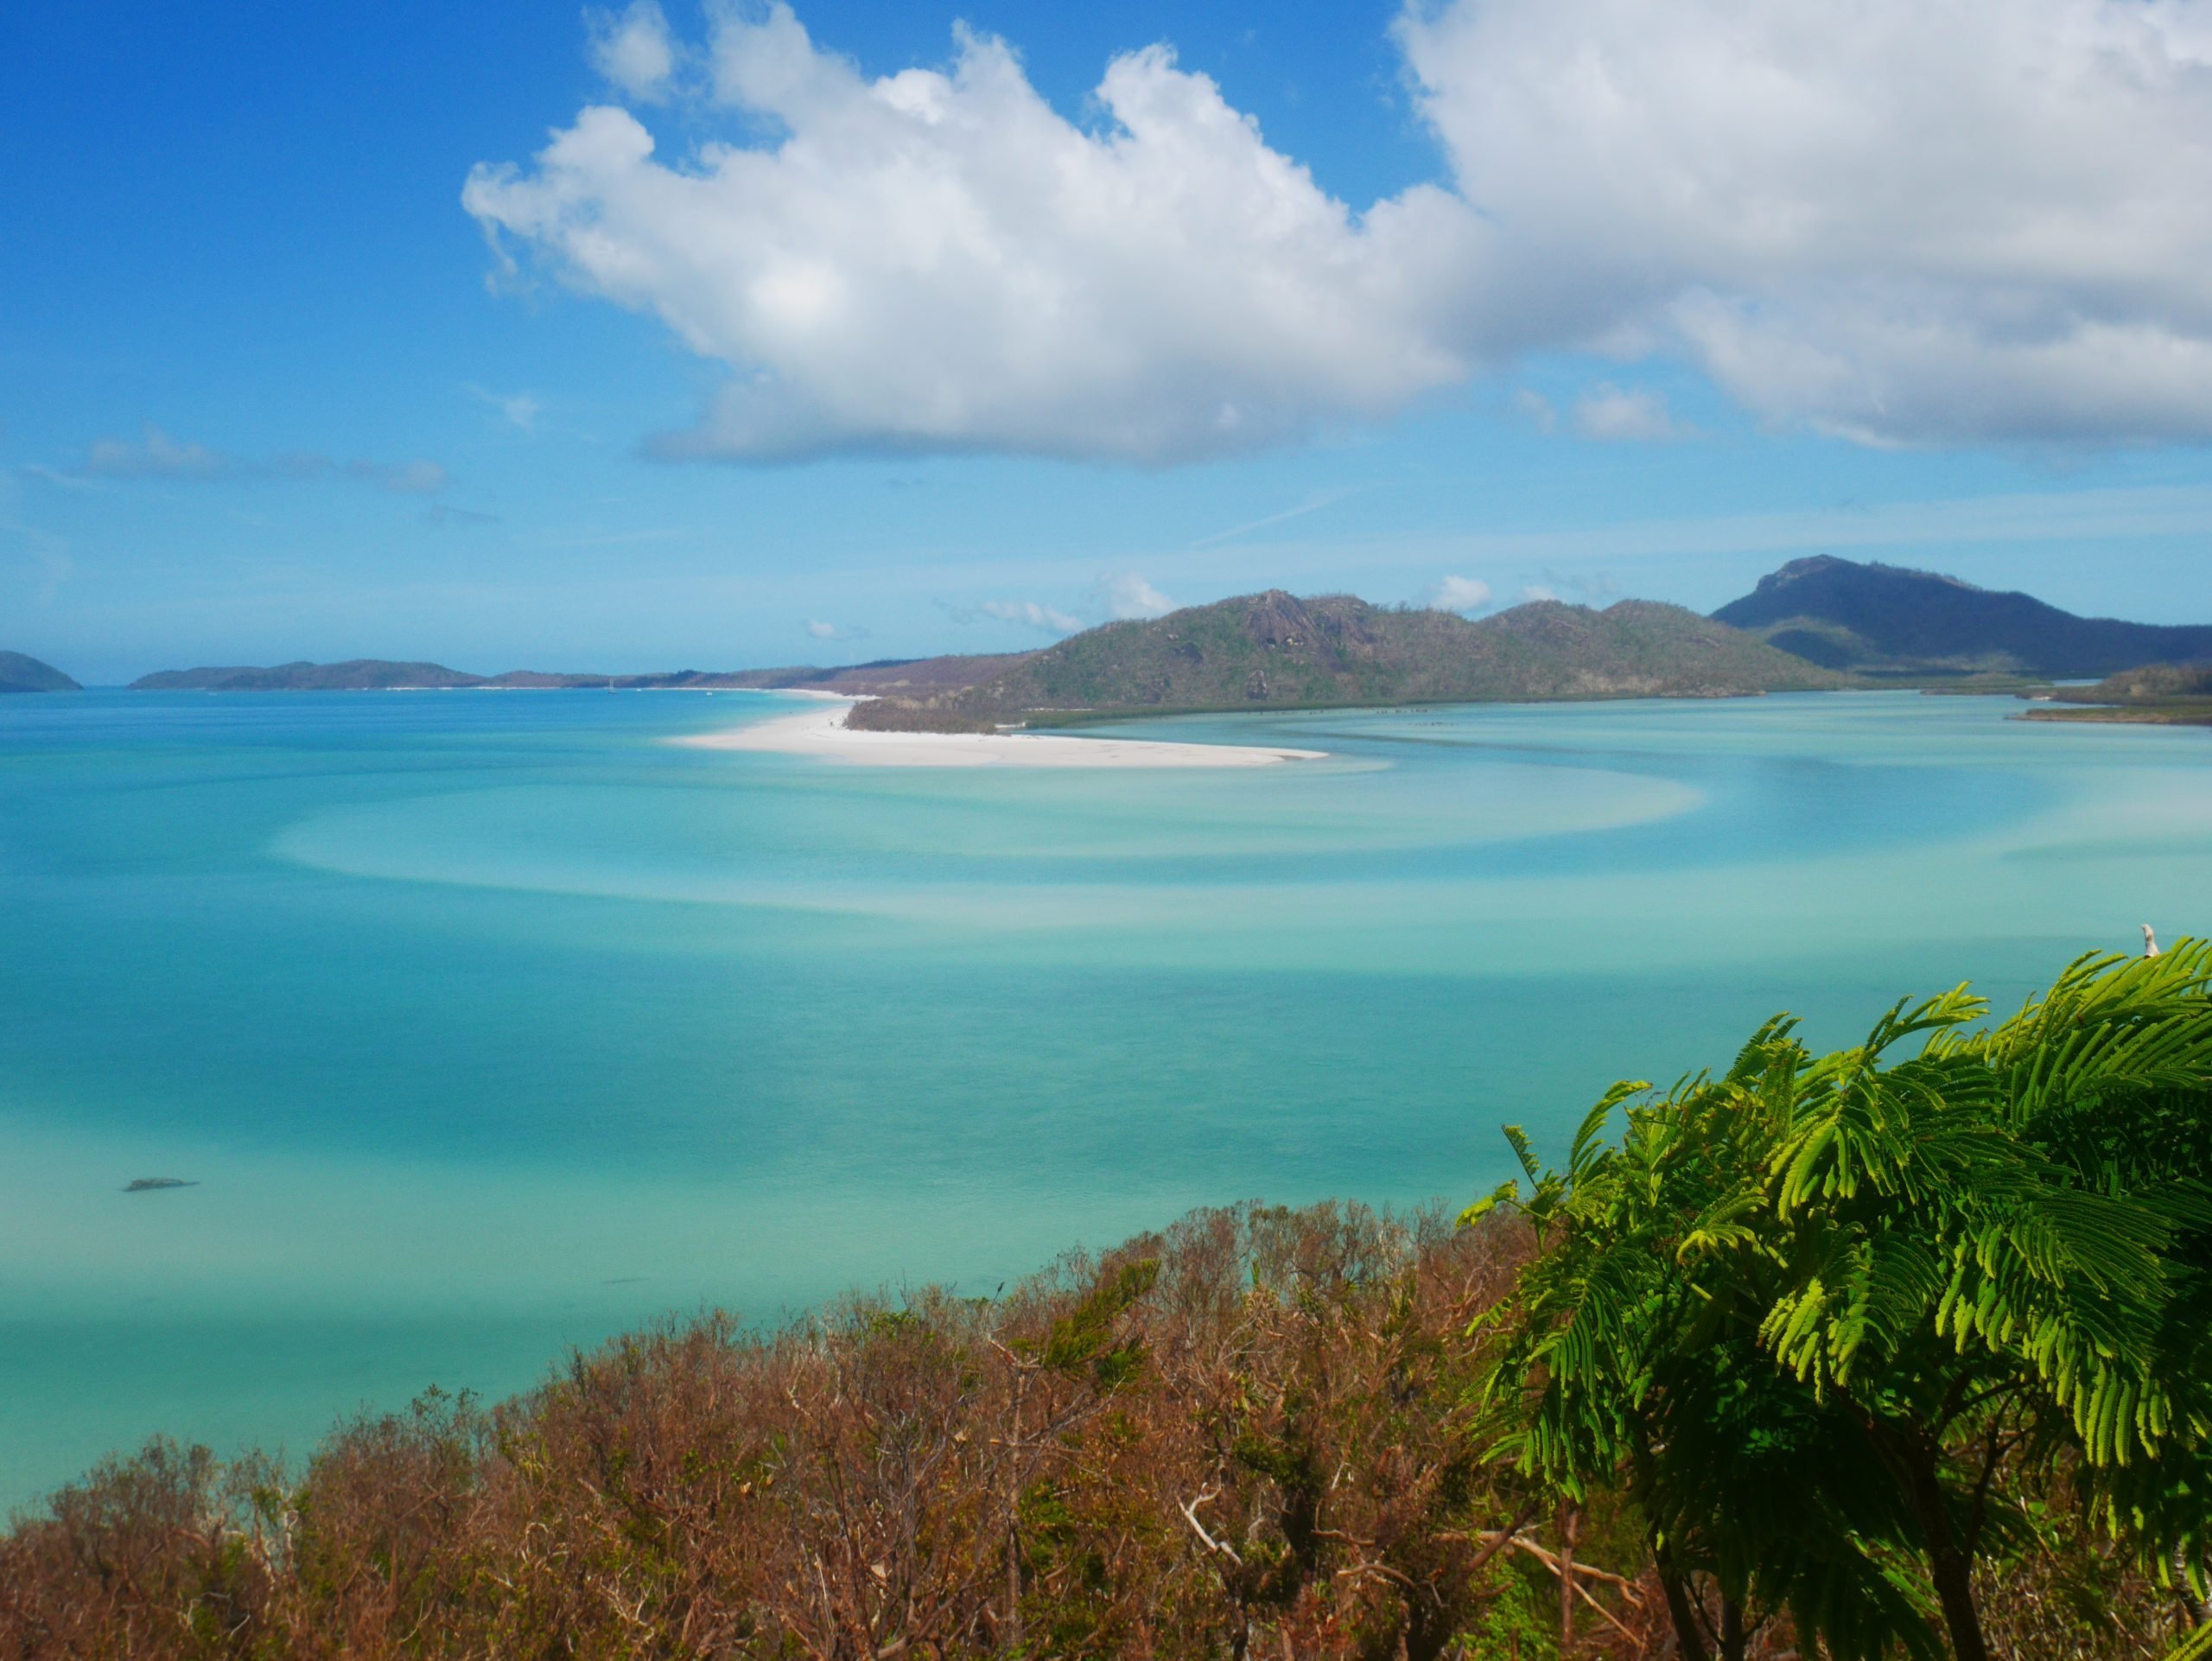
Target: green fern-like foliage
x=1806, y=1312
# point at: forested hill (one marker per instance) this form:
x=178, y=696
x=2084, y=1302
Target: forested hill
x=358, y=674
x=1273, y=650
x=1884, y=619
x=22, y=674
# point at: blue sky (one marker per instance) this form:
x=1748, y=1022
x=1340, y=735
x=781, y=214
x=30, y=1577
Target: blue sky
x=1339, y=297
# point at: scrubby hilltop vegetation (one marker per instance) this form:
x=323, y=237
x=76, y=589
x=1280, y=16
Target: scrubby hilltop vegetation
x=1275, y=651
x=1904, y=1351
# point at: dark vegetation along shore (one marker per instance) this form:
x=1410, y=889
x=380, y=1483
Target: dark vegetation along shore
x=2167, y=694
x=1905, y=1351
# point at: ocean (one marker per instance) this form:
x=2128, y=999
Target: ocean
x=484, y=1025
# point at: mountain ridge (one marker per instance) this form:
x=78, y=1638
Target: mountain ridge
x=1879, y=620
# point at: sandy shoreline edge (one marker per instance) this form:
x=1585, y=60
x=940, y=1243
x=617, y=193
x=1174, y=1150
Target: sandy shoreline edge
x=822, y=732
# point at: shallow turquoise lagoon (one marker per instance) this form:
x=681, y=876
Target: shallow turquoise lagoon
x=488, y=1024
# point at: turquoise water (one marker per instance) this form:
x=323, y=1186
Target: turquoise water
x=488, y=1024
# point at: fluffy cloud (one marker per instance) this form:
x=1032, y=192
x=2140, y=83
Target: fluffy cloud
x=633, y=49
x=1128, y=595
x=157, y=455
x=1030, y=614
x=1897, y=222
x=1607, y=411
x=1901, y=223
x=822, y=631
x=1458, y=593
x=940, y=261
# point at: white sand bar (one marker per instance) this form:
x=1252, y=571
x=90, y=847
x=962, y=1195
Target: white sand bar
x=822, y=732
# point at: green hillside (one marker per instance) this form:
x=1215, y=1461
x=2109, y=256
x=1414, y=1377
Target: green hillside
x=1884, y=620
x=1275, y=651
x=22, y=674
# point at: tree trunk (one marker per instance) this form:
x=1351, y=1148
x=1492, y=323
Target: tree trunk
x=1949, y=1566
x=1731, y=1629
x=1689, y=1638
x=2196, y=1610
x=1568, y=1521
x=1954, y=1577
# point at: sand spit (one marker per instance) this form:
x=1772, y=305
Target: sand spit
x=822, y=732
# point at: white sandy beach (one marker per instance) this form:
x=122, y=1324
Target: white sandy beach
x=822, y=732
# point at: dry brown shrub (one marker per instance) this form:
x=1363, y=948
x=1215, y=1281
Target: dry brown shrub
x=164, y=1553
x=1249, y=1434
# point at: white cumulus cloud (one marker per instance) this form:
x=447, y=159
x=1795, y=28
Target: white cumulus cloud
x=1030, y=614
x=1900, y=222
x=1613, y=412
x=1458, y=593
x=1128, y=595
x=940, y=261
x=633, y=49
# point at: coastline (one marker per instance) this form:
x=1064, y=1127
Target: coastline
x=822, y=732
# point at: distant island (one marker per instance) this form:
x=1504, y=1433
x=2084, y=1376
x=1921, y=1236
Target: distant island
x=2162, y=694
x=1263, y=650
x=1276, y=650
x=912, y=677
x=361, y=674
x=1888, y=622
x=22, y=674
x=1815, y=624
